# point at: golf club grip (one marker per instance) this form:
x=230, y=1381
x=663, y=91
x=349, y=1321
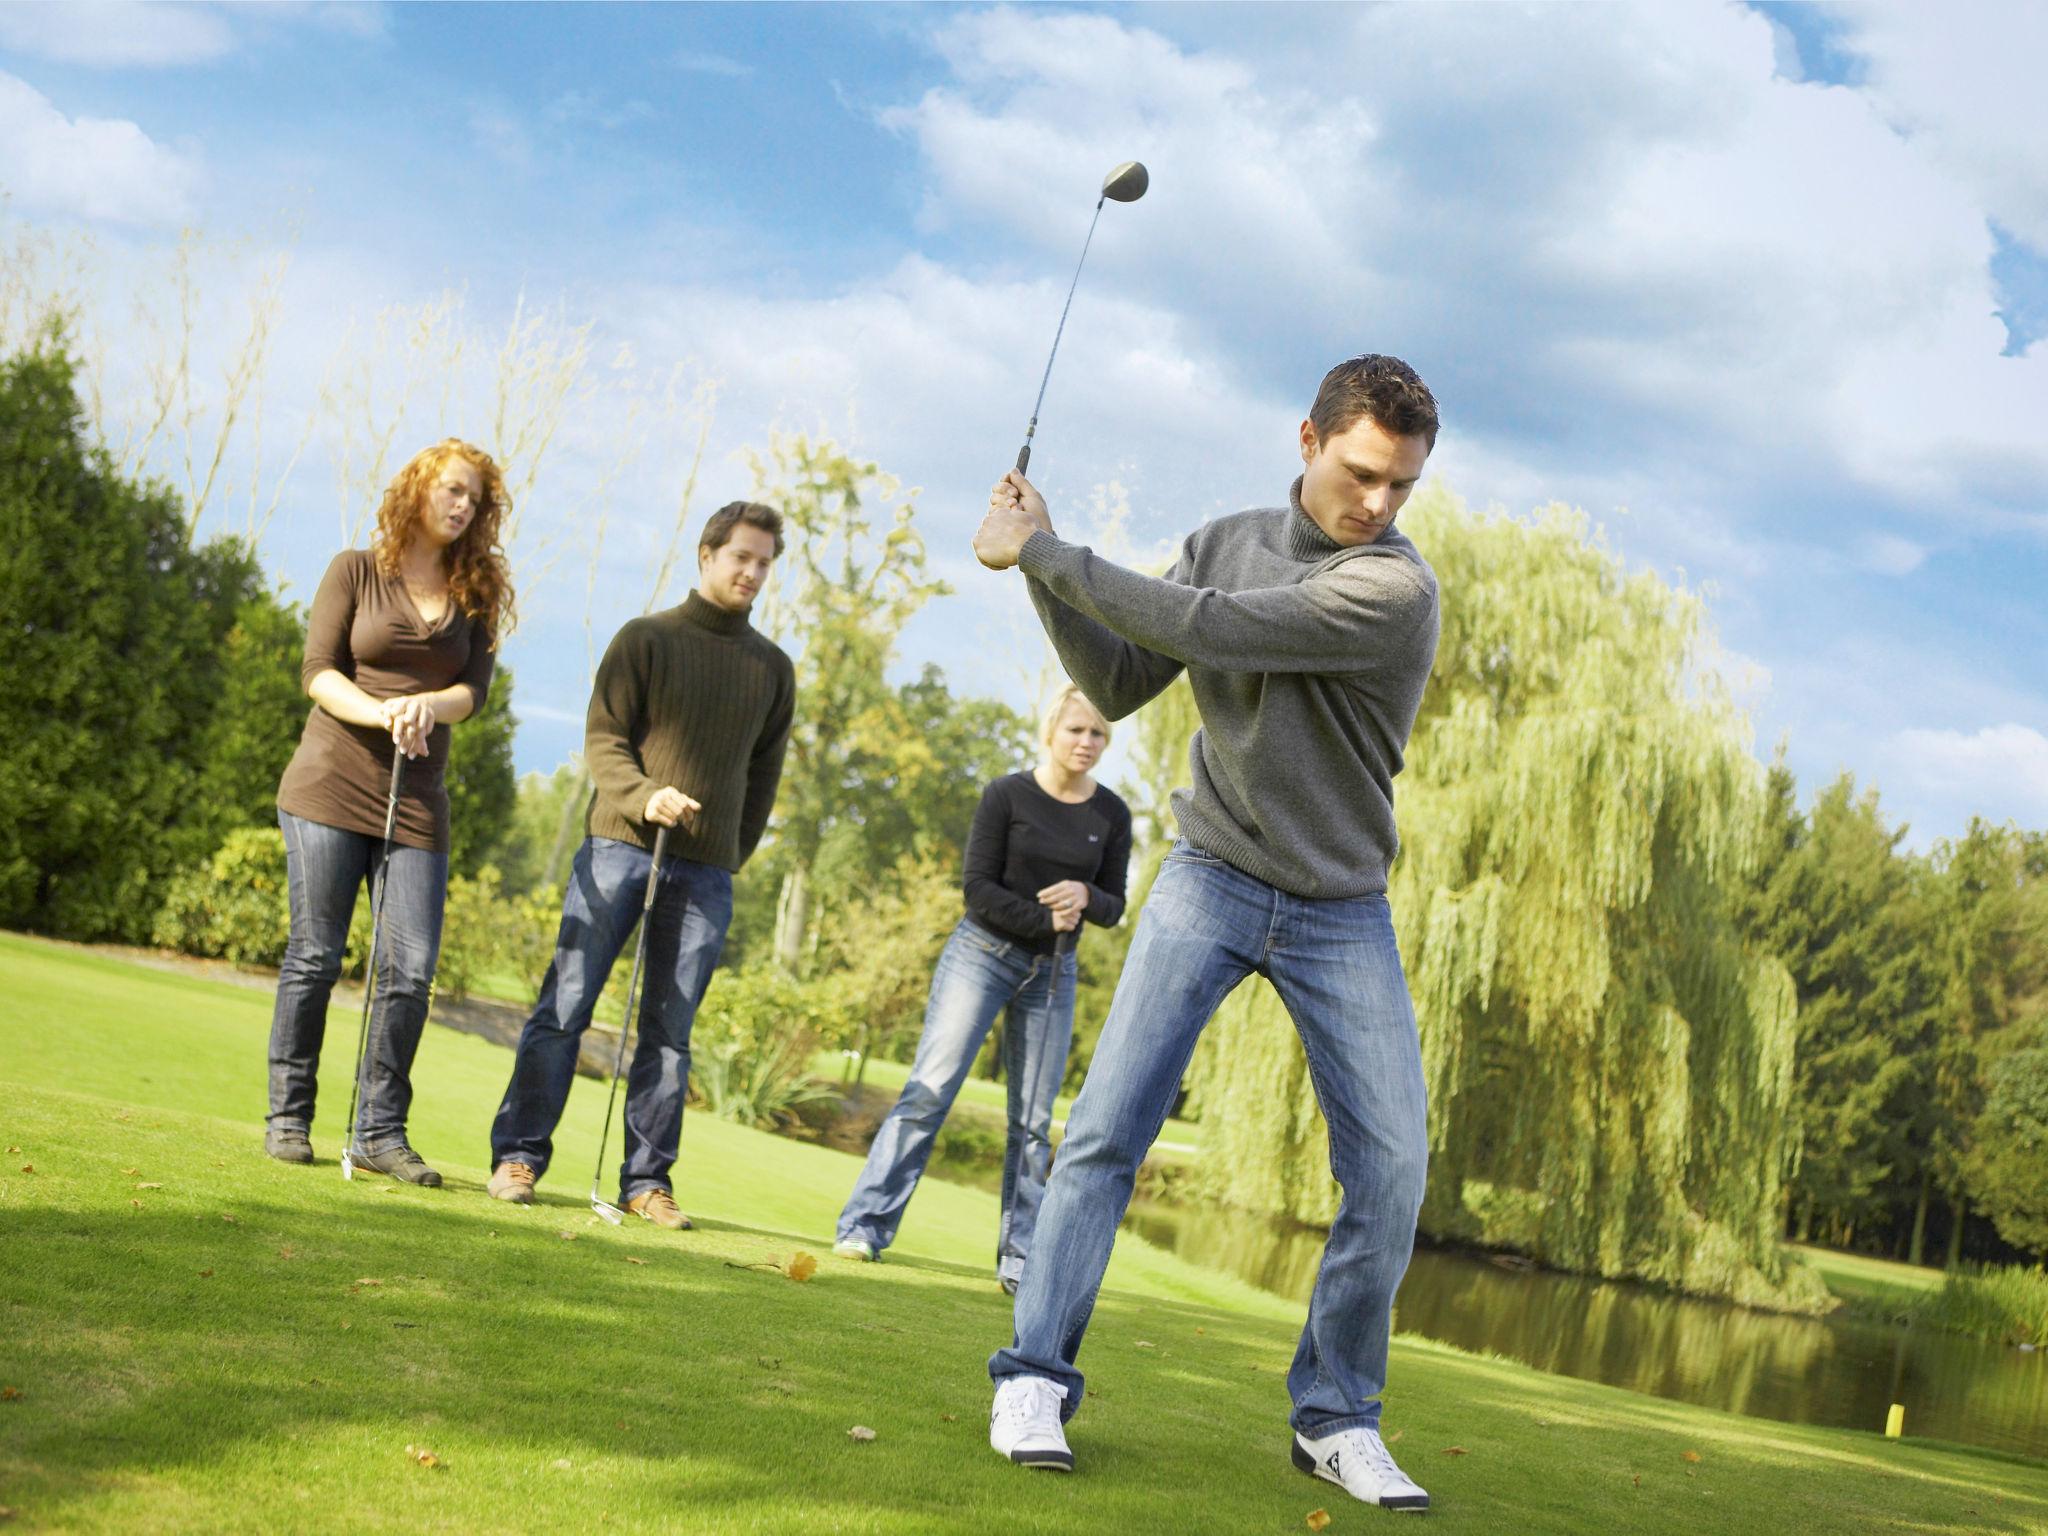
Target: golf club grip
x=654, y=869
x=391, y=800
x=1023, y=458
x=1064, y=944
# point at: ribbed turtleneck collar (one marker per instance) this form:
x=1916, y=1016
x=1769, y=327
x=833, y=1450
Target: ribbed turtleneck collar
x=1305, y=539
x=705, y=614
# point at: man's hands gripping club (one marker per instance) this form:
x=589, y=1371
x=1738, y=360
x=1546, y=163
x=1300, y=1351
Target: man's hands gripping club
x=1015, y=512
x=670, y=807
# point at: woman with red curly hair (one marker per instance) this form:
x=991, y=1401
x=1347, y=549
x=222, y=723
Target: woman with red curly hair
x=400, y=645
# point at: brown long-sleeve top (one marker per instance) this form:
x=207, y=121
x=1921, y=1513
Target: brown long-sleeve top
x=696, y=698
x=364, y=626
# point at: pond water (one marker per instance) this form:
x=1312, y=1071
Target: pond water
x=1842, y=1372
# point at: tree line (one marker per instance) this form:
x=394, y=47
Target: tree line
x=1669, y=1016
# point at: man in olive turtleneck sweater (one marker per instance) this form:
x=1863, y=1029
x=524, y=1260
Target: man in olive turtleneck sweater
x=688, y=721
x=1307, y=633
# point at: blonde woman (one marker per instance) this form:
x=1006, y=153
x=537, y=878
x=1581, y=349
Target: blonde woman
x=400, y=645
x=1048, y=850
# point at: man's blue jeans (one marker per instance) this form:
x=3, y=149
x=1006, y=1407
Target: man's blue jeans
x=978, y=973
x=1205, y=927
x=324, y=868
x=685, y=932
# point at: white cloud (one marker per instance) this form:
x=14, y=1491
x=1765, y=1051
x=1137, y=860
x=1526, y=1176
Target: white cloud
x=2000, y=771
x=101, y=169
x=1966, y=81
x=1889, y=555
x=712, y=64
x=113, y=34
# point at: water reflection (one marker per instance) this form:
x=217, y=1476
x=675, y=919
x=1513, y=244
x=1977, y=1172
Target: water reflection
x=1840, y=1372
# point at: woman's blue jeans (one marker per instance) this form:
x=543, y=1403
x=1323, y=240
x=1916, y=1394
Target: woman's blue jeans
x=325, y=867
x=685, y=934
x=979, y=973
x=1205, y=927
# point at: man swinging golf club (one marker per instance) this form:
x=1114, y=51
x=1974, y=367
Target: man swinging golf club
x=1307, y=632
x=688, y=720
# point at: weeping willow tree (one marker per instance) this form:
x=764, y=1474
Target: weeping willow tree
x=1610, y=1070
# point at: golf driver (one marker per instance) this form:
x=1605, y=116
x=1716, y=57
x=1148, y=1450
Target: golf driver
x=598, y=1203
x=383, y=884
x=1125, y=184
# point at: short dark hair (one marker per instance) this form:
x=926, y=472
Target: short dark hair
x=719, y=526
x=1376, y=387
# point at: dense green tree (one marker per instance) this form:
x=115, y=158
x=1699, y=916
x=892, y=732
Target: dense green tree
x=545, y=826
x=111, y=661
x=483, y=789
x=1851, y=918
x=2008, y=1162
x=1610, y=1065
x=253, y=728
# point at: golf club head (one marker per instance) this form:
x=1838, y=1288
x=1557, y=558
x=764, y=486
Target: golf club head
x=605, y=1208
x=348, y=1166
x=1127, y=183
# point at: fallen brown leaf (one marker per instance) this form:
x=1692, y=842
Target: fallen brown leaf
x=131, y=1172
x=1456, y=1450
x=801, y=1267
x=28, y=1167
x=224, y=1216
x=950, y=1418
x=287, y=1252
x=10, y=1394
x=8, y=1511
x=1318, y=1519
x=423, y=1456
x=136, y=1203
x=861, y=1433
x=631, y=1260
x=1637, y=1480
x=1395, y=1437
x=1690, y=1455
x=150, y=1184
x=568, y=1237
x=562, y=1464
x=206, y=1274
x=366, y=1280
x=1146, y=1344
x=14, y=1151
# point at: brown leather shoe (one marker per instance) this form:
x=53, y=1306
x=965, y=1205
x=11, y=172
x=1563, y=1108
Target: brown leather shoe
x=659, y=1207
x=512, y=1181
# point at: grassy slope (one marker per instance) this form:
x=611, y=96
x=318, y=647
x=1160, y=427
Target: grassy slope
x=277, y=1391
x=1871, y=1287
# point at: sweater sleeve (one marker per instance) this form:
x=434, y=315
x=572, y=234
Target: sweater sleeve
x=764, y=766
x=1327, y=623
x=1117, y=676
x=329, y=619
x=616, y=701
x=982, y=882
x=1106, y=891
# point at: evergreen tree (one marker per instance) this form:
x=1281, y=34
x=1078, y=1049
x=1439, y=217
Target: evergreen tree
x=110, y=664
x=483, y=790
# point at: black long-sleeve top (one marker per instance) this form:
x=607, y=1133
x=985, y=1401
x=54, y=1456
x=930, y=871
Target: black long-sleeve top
x=1024, y=840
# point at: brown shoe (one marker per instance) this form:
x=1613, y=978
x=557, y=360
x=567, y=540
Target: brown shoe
x=659, y=1207
x=512, y=1181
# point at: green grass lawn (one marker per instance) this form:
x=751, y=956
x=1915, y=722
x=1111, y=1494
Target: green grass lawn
x=1871, y=1287
x=196, y=1338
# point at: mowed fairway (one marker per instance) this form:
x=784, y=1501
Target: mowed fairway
x=197, y=1338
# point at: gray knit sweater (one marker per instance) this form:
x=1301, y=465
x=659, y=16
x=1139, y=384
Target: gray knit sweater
x=1308, y=661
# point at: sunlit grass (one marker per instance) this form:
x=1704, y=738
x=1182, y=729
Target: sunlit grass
x=210, y=1354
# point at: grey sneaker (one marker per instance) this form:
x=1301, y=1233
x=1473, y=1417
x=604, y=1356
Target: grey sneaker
x=288, y=1144
x=401, y=1162
x=857, y=1249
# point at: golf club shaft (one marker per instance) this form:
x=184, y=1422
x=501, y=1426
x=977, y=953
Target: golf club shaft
x=632, y=989
x=1024, y=453
x=382, y=880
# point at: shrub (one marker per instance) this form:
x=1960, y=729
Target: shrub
x=1998, y=1301
x=234, y=906
x=753, y=1041
x=495, y=943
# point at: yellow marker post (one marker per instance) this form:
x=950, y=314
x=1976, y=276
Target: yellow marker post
x=1895, y=1422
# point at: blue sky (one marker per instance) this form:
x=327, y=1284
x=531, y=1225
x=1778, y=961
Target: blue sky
x=1763, y=289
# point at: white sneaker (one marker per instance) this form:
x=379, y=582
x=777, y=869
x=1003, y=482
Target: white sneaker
x=1358, y=1461
x=1024, y=1424
x=854, y=1248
